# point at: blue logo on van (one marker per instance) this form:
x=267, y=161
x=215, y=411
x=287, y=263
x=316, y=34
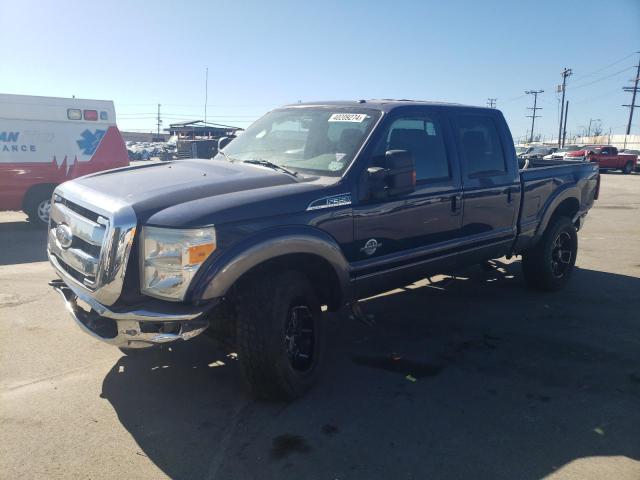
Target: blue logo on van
x=9, y=136
x=90, y=141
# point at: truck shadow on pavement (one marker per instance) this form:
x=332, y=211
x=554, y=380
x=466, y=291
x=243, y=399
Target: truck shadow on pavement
x=22, y=242
x=467, y=377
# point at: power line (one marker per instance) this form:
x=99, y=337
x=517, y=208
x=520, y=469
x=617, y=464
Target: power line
x=602, y=78
x=607, y=66
x=534, y=108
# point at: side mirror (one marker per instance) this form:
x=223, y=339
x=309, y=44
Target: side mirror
x=401, y=172
x=398, y=177
x=223, y=142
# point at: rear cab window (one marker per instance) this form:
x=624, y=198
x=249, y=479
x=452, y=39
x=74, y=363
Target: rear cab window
x=480, y=146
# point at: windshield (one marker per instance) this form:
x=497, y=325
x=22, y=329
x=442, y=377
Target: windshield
x=321, y=140
x=539, y=150
x=521, y=150
x=571, y=148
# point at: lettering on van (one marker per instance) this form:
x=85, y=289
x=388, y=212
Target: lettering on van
x=10, y=143
x=9, y=136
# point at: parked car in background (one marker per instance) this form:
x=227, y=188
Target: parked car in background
x=560, y=153
x=45, y=141
x=637, y=154
x=523, y=149
x=606, y=156
x=537, y=153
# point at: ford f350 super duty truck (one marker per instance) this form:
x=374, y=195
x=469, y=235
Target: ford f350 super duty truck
x=313, y=205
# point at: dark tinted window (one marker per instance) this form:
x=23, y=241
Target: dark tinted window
x=422, y=136
x=480, y=144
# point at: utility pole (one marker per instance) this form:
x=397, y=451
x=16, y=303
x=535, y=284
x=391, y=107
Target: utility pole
x=534, y=108
x=159, y=120
x=564, y=128
x=206, y=93
x=565, y=73
x=491, y=102
x=633, y=89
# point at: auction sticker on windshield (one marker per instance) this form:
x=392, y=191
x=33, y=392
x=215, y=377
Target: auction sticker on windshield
x=348, y=117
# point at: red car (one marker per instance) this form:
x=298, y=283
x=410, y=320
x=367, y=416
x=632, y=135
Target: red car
x=606, y=156
x=45, y=141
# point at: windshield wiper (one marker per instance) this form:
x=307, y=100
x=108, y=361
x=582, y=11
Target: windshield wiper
x=227, y=157
x=274, y=166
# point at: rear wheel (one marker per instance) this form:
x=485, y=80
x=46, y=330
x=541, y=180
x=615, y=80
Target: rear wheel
x=548, y=266
x=628, y=168
x=280, y=335
x=37, y=205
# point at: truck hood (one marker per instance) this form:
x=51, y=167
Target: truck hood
x=150, y=189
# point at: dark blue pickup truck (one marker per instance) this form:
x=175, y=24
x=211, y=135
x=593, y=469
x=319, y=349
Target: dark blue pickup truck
x=313, y=205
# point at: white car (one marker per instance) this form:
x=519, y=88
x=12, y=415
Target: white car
x=561, y=152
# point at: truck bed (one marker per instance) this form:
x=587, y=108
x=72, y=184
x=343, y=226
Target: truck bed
x=547, y=183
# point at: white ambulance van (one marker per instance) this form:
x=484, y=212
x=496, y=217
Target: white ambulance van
x=45, y=141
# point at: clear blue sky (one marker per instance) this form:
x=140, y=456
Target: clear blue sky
x=262, y=54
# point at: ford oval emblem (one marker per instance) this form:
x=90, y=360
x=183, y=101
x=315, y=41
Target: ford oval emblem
x=371, y=246
x=64, y=235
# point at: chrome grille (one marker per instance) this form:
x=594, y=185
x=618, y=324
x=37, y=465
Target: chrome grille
x=83, y=255
x=101, y=240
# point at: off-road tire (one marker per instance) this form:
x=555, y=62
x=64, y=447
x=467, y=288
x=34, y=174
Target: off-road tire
x=541, y=265
x=264, y=310
x=35, y=202
x=223, y=326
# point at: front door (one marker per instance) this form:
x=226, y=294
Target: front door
x=395, y=233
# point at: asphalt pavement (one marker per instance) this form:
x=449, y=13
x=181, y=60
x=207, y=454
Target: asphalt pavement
x=472, y=377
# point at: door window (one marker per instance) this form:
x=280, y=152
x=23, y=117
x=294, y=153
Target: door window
x=422, y=137
x=480, y=145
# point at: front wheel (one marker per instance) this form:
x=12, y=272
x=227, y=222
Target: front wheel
x=550, y=263
x=280, y=335
x=628, y=168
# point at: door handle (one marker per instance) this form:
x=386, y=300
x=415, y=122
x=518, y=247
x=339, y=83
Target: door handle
x=456, y=204
x=509, y=192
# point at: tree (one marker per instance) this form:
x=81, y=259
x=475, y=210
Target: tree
x=596, y=129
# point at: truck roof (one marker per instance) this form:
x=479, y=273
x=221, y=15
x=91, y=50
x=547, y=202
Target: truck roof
x=384, y=104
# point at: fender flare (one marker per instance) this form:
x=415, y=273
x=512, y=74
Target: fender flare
x=552, y=205
x=222, y=272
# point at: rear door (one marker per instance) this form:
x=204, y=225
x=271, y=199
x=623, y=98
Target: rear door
x=490, y=182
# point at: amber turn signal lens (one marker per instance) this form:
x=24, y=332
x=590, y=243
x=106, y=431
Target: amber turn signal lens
x=199, y=253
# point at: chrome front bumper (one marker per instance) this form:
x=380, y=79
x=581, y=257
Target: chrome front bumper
x=137, y=328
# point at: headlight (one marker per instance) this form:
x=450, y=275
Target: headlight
x=171, y=257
